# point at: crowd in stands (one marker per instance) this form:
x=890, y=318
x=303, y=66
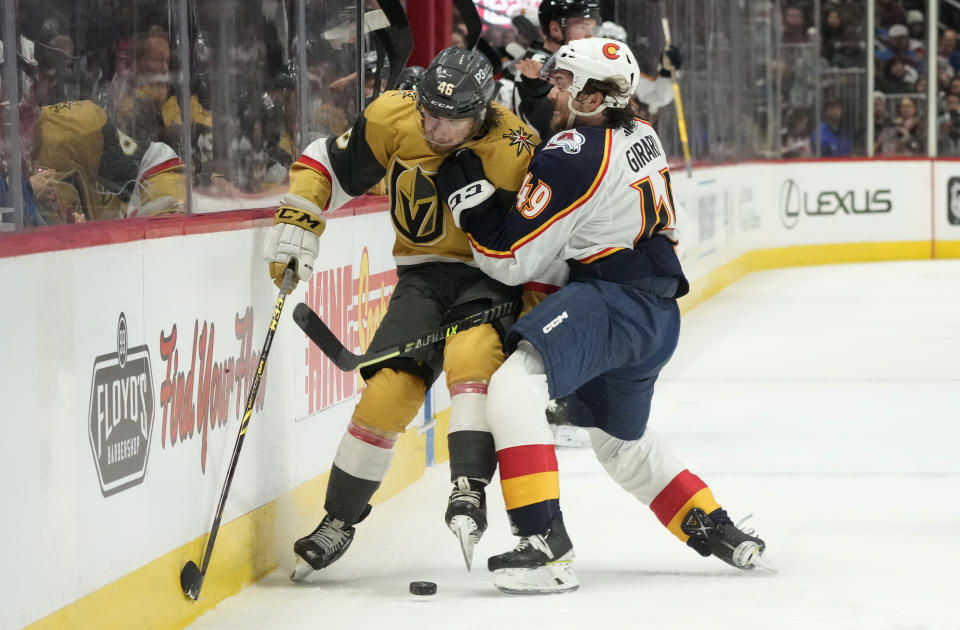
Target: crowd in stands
x=900, y=91
x=102, y=79
x=105, y=80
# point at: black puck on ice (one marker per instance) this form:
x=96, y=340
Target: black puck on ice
x=423, y=588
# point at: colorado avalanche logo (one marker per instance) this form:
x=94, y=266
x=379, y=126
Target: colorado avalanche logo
x=611, y=50
x=570, y=141
x=522, y=139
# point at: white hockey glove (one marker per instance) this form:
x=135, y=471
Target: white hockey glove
x=295, y=234
x=463, y=185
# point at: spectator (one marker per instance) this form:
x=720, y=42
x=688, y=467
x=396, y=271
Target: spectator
x=138, y=113
x=796, y=137
x=458, y=38
x=947, y=57
x=948, y=137
x=917, y=26
x=897, y=77
x=840, y=48
x=898, y=45
x=889, y=13
x=909, y=120
x=834, y=139
x=57, y=79
x=794, y=26
x=954, y=86
x=885, y=134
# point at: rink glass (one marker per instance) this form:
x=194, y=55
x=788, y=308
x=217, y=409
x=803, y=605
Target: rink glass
x=756, y=82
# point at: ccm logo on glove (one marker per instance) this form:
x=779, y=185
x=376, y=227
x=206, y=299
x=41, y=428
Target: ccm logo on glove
x=300, y=218
x=470, y=196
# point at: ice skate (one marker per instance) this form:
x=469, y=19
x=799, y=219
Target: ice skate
x=467, y=515
x=323, y=546
x=715, y=534
x=539, y=565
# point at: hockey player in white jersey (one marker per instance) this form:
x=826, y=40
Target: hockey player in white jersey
x=598, y=195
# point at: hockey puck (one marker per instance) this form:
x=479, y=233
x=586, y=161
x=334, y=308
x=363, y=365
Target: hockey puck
x=423, y=588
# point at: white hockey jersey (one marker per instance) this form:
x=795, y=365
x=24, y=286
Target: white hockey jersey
x=598, y=198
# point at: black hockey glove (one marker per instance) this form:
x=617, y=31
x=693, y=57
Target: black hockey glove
x=670, y=61
x=463, y=186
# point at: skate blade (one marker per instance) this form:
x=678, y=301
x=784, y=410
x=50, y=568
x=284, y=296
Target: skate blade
x=552, y=579
x=301, y=571
x=761, y=564
x=465, y=529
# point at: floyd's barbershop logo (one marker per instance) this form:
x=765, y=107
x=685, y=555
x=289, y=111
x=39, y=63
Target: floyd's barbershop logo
x=121, y=414
x=795, y=202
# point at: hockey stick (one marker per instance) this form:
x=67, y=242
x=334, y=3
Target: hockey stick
x=471, y=19
x=396, y=39
x=347, y=361
x=191, y=576
x=678, y=102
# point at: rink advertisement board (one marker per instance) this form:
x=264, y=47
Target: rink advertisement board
x=127, y=375
x=128, y=360
x=858, y=205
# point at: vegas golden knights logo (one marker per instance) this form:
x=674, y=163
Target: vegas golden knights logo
x=417, y=215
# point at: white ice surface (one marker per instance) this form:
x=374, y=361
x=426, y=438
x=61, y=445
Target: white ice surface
x=824, y=400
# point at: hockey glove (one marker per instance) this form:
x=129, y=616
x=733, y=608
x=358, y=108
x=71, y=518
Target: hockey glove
x=670, y=61
x=298, y=225
x=462, y=184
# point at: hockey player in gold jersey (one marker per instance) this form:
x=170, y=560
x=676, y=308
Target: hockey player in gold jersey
x=404, y=136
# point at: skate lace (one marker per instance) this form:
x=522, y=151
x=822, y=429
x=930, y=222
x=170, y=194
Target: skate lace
x=463, y=492
x=329, y=536
x=534, y=542
x=749, y=531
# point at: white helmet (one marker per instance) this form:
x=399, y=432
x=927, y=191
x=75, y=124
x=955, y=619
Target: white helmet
x=597, y=58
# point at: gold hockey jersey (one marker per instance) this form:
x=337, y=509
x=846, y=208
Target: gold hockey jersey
x=387, y=143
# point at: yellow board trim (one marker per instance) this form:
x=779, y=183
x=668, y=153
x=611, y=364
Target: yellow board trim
x=247, y=549
x=807, y=255
x=150, y=597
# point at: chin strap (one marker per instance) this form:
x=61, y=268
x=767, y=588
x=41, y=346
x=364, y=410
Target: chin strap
x=574, y=112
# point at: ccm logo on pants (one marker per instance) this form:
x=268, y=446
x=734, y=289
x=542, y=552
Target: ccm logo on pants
x=553, y=323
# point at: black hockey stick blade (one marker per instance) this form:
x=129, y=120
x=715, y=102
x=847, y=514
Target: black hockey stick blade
x=310, y=323
x=323, y=337
x=191, y=580
x=487, y=51
x=397, y=40
x=471, y=19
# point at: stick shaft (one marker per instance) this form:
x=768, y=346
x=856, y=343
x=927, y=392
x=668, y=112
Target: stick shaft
x=678, y=103
x=321, y=335
x=288, y=281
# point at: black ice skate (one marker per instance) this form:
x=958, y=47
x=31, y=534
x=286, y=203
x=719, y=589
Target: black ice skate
x=539, y=564
x=715, y=534
x=467, y=514
x=323, y=546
